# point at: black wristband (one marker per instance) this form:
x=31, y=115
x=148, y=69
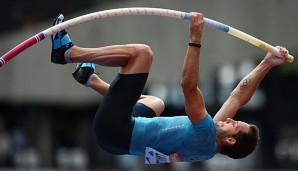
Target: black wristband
x=198, y=45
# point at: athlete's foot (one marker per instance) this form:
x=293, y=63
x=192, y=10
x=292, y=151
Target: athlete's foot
x=61, y=43
x=83, y=73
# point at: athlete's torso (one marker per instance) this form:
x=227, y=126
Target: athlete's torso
x=193, y=142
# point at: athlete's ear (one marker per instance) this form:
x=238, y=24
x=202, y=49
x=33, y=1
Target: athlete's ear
x=230, y=141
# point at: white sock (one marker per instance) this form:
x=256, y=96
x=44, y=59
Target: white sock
x=88, y=83
x=66, y=55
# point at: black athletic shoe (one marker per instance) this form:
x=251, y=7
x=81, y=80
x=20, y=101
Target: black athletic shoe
x=60, y=43
x=83, y=72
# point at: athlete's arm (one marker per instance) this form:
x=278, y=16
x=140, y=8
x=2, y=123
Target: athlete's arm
x=194, y=102
x=247, y=86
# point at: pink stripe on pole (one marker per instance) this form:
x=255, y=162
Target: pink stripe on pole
x=16, y=50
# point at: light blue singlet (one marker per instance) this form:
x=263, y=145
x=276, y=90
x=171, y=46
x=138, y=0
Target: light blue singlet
x=193, y=142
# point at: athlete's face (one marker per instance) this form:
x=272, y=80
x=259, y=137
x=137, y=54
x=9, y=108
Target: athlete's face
x=231, y=127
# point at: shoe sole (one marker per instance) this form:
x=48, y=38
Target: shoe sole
x=78, y=67
x=57, y=21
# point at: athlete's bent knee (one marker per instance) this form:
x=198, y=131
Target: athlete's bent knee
x=141, y=57
x=144, y=52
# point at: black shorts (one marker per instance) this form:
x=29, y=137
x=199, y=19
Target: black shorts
x=113, y=123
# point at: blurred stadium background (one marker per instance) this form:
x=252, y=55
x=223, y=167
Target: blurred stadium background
x=46, y=117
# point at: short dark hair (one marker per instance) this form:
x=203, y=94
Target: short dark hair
x=245, y=143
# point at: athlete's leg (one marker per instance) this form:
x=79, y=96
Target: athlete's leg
x=155, y=103
x=152, y=102
x=133, y=58
x=85, y=74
